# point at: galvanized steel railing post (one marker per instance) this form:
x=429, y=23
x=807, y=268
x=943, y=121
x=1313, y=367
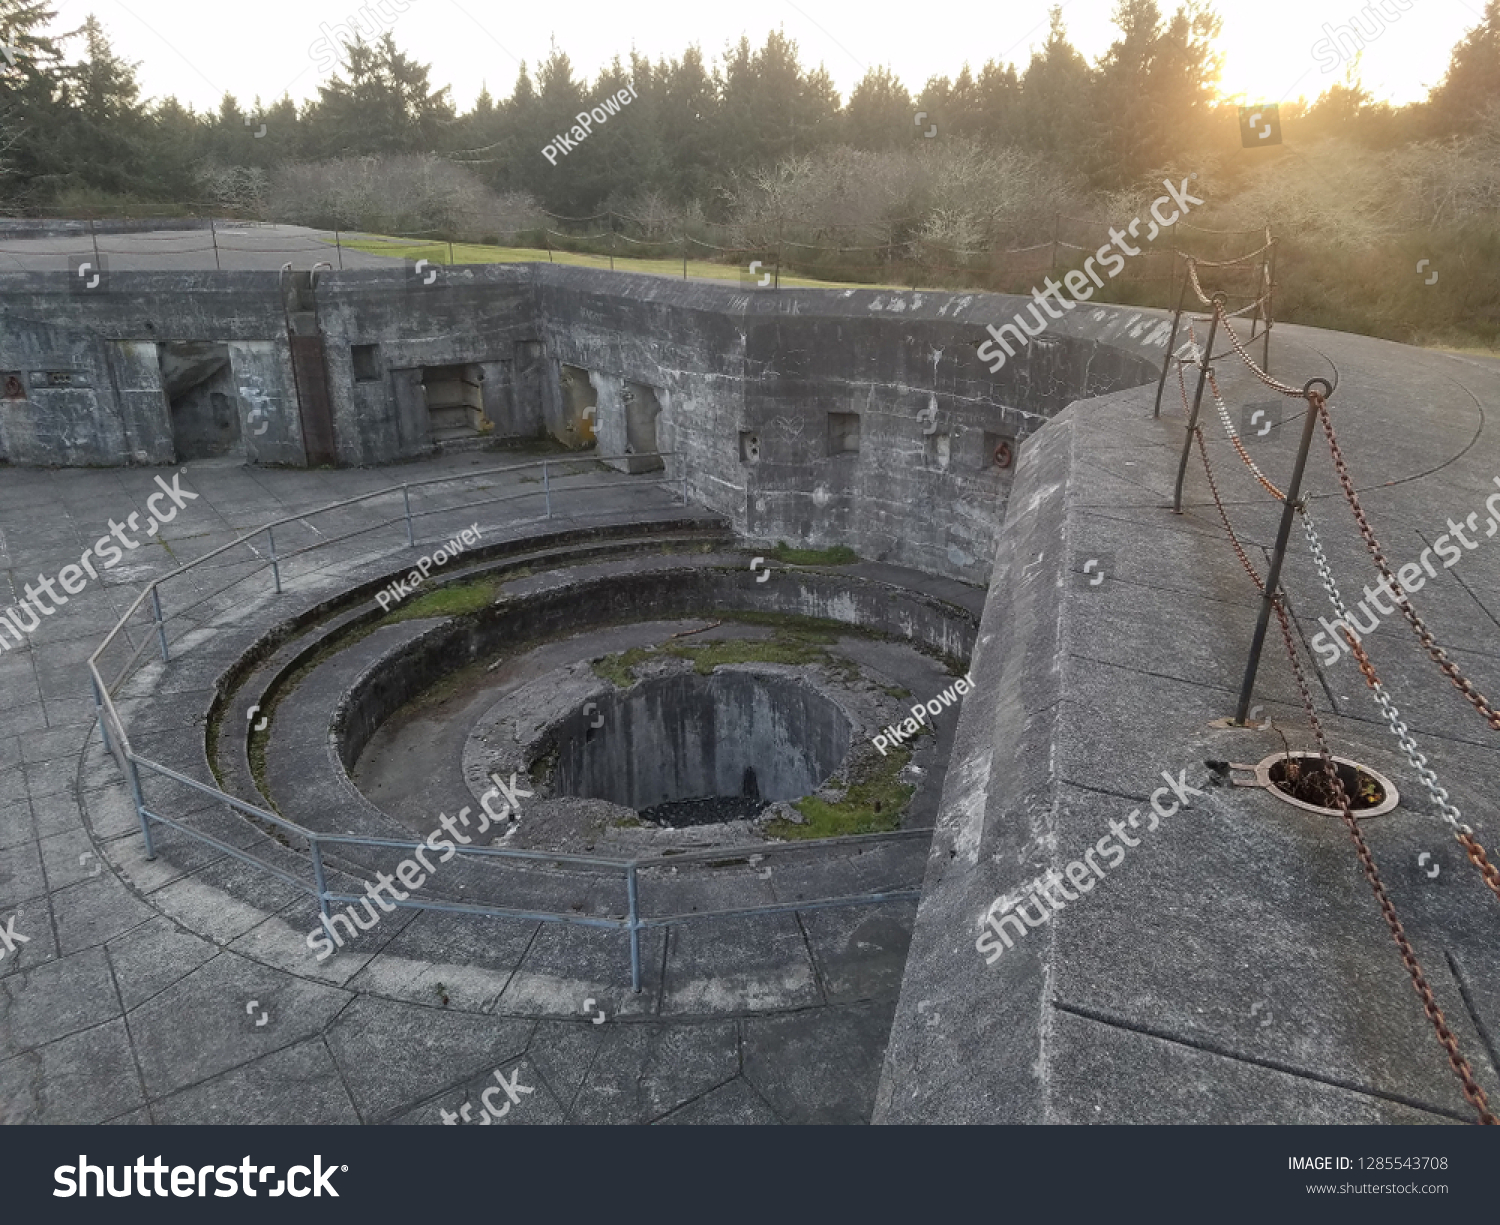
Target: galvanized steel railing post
x=1172, y=340
x=411, y=541
x=317, y=858
x=99, y=710
x=275, y=561
x=1273, y=578
x=161, y=625
x=547, y=488
x=1192, y=424
x=635, y=929
x=140, y=804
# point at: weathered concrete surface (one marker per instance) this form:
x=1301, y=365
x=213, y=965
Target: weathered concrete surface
x=1234, y=966
x=862, y=417
x=164, y=991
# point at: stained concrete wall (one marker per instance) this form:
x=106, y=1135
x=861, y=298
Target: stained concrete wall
x=466, y=315
x=822, y=417
x=116, y=409
x=689, y=737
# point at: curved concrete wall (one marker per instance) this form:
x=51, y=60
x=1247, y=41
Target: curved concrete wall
x=691, y=737
x=856, y=417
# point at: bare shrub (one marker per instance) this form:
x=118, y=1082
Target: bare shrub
x=412, y=194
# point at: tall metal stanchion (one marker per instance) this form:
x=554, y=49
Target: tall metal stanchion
x=632, y=893
x=1192, y=423
x=1289, y=511
x=161, y=622
x=1265, y=360
x=1171, y=340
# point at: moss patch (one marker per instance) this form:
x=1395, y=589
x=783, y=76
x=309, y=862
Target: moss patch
x=872, y=805
x=455, y=600
x=839, y=555
x=795, y=646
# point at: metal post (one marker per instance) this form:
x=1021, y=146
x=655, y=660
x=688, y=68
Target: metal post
x=411, y=541
x=611, y=247
x=161, y=627
x=214, y=234
x=547, y=488
x=275, y=562
x=1265, y=359
x=1172, y=340
x=1192, y=425
x=684, y=255
x=99, y=711
x=450, y=254
x=635, y=929
x=140, y=803
x=94, y=234
x=1273, y=579
x=317, y=858
x=338, y=242
x=1260, y=294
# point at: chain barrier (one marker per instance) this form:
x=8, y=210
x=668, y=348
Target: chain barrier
x=1439, y=656
x=1465, y=836
x=1223, y=412
x=1473, y=1092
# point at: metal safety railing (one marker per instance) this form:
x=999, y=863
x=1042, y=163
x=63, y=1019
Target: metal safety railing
x=630, y=918
x=1316, y=393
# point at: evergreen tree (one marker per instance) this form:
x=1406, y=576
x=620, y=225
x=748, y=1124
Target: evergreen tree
x=880, y=113
x=1471, y=85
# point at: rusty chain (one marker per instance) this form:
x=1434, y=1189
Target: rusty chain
x=1439, y=656
x=1451, y=816
x=1473, y=1092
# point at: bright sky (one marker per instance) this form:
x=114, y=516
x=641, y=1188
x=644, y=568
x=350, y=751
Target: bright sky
x=197, y=50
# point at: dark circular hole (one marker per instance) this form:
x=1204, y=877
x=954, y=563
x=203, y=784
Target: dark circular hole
x=692, y=750
x=1303, y=777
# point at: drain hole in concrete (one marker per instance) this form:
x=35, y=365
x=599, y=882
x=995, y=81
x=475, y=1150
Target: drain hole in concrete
x=1303, y=778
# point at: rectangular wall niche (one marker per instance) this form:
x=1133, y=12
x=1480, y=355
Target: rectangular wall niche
x=939, y=450
x=366, y=360
x=1000, y=451
x=843, y=433
x=642, y=408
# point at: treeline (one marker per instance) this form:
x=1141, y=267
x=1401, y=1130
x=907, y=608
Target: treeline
x=75, y=131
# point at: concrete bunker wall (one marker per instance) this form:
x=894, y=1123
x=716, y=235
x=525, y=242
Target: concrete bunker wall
x=89, y=366
x=863, y=418
x=856, y=417
x=383, y=330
